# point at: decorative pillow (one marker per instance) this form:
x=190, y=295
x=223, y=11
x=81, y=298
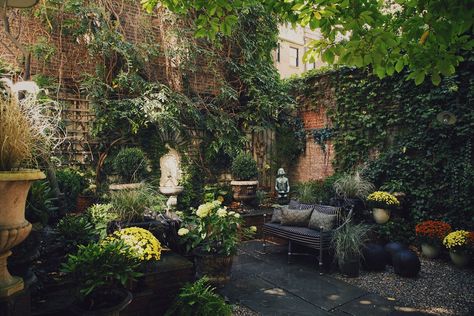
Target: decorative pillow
x=276, y=216
x=319, y=219
x=292, y=217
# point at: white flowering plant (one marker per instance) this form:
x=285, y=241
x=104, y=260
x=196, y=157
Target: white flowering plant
x=213, y=229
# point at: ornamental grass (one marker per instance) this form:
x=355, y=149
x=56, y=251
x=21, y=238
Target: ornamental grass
x=432, y=231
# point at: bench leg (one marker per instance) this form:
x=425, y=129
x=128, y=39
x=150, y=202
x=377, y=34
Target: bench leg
x=289, y=251
x=320, y=260
x=264, y=243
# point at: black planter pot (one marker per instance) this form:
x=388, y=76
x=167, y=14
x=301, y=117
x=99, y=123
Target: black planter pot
x=123, y=298
x=216, y=267
x=375, y=257
x=406, y=263
x=350, y=267
x=392, y=248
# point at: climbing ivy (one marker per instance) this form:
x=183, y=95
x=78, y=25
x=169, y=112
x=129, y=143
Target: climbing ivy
x=392, y=127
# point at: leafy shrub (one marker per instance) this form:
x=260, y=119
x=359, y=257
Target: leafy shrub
x=397, y=229
x=352, y=186
x=101, y=267
x=244, y=167
x=133, y=205
x=76, y=230
x=40, y=203
x=71, y=183
x=199, y=299
x=100, y=215
x=130, y=164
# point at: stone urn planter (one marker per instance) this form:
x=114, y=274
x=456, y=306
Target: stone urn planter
x=14, y=228
x=430, y=251
x=381, y=215
x=460, y=258
x=244, y=191
x=216, y=267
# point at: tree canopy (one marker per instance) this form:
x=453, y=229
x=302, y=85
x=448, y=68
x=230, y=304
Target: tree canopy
x=429, y=38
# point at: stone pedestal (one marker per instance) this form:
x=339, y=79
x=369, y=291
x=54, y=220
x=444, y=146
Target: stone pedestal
x=18, y=304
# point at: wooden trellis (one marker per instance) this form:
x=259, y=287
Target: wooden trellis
x=77, y=119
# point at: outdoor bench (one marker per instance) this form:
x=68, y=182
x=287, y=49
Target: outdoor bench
x=312, y=238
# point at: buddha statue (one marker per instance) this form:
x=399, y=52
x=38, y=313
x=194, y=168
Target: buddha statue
x=282, y=187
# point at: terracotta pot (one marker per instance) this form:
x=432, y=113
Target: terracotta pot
x=430, y=251
x=381, y=215
x=459, y=258
x=14, y=228
x=216, y=267
x=244, y=190
x=83, y=202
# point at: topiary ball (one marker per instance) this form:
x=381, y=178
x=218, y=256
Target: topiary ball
x=375, y=257
x=406, y=263
x=392, y=248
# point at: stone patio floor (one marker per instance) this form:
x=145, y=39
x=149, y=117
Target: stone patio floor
x=268, y=285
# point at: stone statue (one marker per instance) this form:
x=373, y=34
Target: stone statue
x=282, y=187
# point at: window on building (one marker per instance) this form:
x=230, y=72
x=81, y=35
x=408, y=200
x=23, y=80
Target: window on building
x=278, y=53
x=310, y=66
x=294, y=57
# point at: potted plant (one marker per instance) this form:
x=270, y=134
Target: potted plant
x=71, y=182
x=101, y=271
x=199, y=298
x=352, y=189
x=87, y=196
x=348, y=242
x=460, y=244
x=131, y=167
x=138, y=207
x=213, y=234
x=245, y=173
x=431, y=234
x=24, y=133
x=382, y=202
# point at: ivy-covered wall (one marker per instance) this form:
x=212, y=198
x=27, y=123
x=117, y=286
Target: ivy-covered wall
x=396, y=132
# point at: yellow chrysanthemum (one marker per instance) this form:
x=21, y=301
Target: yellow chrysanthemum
x=143, y=244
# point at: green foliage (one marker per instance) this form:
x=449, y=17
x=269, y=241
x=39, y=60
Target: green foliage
x=313, y=192
x=71, y=183
x=397, y=229
x=76, y=230
x=42, y=49
x=291, y=142
x=40, y=205
x=199, y=299
x=353, y=186
x=100, y=215
x=391, y=126
x=133, y=204
x=101, y=266
x=321, y=136
x=348, y=241
x=427, y=37
x=130, y=164
x=244, y=167
x=222, y=192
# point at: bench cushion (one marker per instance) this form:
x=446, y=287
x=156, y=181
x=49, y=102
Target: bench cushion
x=295, y=217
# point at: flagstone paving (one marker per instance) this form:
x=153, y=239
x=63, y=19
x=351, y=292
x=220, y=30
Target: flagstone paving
x=268, y=285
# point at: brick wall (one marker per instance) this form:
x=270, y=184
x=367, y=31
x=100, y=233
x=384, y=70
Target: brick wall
x=314, y=163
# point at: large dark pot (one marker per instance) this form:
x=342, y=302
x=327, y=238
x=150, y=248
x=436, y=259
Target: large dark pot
x=216, y=267
x=121, y=299
x=83, y=202
x=375, y=257
x=392, y=248
x=406, y=263
x=350, y=267
x=244, y=191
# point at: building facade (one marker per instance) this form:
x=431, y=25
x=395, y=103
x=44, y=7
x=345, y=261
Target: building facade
x=292, y=44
